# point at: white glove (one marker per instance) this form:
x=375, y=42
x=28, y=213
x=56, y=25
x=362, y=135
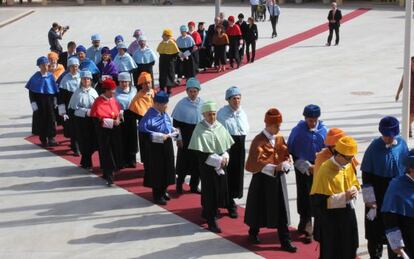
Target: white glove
x=372, y=214
x=61, y=109
x=34, y=106
x=65, y=117
x=157, y=137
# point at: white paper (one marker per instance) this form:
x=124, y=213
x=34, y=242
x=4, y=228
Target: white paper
x=104, y=77
x=269, y=170
x=157, y=137
x=368, y=194
x=108, y=123
x=61, y=109
x=214, y=160
x=395, y=239
x=303, y=166
x=34, y=106
x=286, y=166
x=220, y=172
x=175, y=135
x=372, y=214
x=81, y=112
x=65, y=117
x=337, y=201
x=186, y=54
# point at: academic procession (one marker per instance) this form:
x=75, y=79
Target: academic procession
x=115, y=102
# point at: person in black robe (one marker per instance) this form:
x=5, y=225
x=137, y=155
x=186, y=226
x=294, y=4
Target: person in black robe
x=267, y=201
x=158, y=132
x=79, y=108
x=205, y=53
x=383, y=160
x=106, y=113
x=168, y=51
x=42, y=95
x=186, y=114
x=398, y=212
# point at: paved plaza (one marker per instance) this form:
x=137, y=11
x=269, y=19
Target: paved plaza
x=50, y=208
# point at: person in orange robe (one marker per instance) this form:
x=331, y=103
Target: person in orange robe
x=267, y=200
x=143, y=100
x=106, y=113
x=56, y=69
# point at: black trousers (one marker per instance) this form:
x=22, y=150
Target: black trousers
x=253, y=45
x=303, y=188
x=333, y=27
x=254, y=12
x=375, y=249
x=273, y=20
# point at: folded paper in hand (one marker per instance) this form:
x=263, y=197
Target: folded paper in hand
x=303, y=166
x=61, y=109
x=186, y=54
x=286, y=166
x=214, y=160
x=368, y=193
x=372, y=214
x=108, y=123
x=34, y=106
x=157, y=137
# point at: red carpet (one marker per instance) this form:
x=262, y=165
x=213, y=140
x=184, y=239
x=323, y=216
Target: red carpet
x=187, y=206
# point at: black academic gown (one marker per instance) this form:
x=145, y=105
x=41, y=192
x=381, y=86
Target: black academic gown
x=234, y=54
x=186, y=158
x=214, y=193
x=374, y=230
x=159, y=165
x=235, y=168
x=110, y=149
x=205, y=55
x=337, y=229
x=406, y=225
x=43, y=120
x=69, y=130
x=267, y=202
x=86, y=137
x=167, y=71
x=186, y=67
x=129, y=139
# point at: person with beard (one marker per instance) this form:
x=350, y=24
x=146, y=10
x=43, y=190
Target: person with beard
x=67, y=86
x=156, y=125
x=186, y=115
x=106, y=112
x=124, y=94
x=211, y=141
x=79, y=107
x=234, y=119
x=42, y=92
x=267, y=200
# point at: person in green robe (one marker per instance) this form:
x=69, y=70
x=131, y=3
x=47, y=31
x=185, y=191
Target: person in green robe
x=211, y=141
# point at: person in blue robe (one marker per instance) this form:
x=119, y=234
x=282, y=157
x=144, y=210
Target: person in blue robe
x=79, y=108
x=87, y=64
x=158, y=131
x=383, y=160
x=114, y=51
x=145, y=58
x=186, y=45
x=398, y=211
x=186, y=115
x=67, y=86
x=94, y=52
x=234, y=119
x=42, y=95
x=123, y=61
x=124, y=94
x=305, y=140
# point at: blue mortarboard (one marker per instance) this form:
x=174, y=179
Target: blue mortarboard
x=389, y=126
x=80, y=48
x=86, y=73
x=312, y=111
x=42, y=60
x=95, y=37
x=192, y=82
x=119, y=38
x=161, y=97
x=232, y=91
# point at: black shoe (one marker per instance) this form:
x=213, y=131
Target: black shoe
x=307, y=239
x=213, y=227
x=328, y=44
x=167, y=196
x=287, y=246
x=43, y=143
x=109, y=182
x=76, y=153
x=52, y=142
x=179, y=188
x=336, y=44
x=160, y=201
x=254, y=239
x=195, y=190
x=233, y=212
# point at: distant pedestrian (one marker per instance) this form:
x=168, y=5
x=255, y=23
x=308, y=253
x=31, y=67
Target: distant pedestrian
x=274, y=12
x=334, y=18
x=253, y=6
x=251, y=37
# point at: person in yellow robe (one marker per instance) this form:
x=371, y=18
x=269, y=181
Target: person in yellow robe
x=334, y=190
x=267, y=200
x=168, y=51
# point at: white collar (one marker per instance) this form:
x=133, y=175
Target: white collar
x=268, y=135
x=106, y=98
x=394, y=143
x=45, y=74
x=340, y=167
x=209, y=126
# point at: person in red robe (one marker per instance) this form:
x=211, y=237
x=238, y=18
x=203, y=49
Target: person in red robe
x=235, y=38
x=197, y=39
x=106, y=113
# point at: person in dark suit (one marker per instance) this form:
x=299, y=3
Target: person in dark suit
x=64, y=56
x=251, y=37
x=334, y=18
x=243, y=27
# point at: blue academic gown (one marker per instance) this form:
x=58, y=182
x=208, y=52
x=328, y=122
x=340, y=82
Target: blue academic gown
x=42, y=93
x=398, y=210
x=158, y=175
x=379, y=166
x=304, y=144
x=94, y=54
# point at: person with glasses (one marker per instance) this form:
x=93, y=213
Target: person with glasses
x=383, y=160
x=333, y=194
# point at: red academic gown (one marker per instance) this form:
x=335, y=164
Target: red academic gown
x=109, y=139
x=235, y=35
